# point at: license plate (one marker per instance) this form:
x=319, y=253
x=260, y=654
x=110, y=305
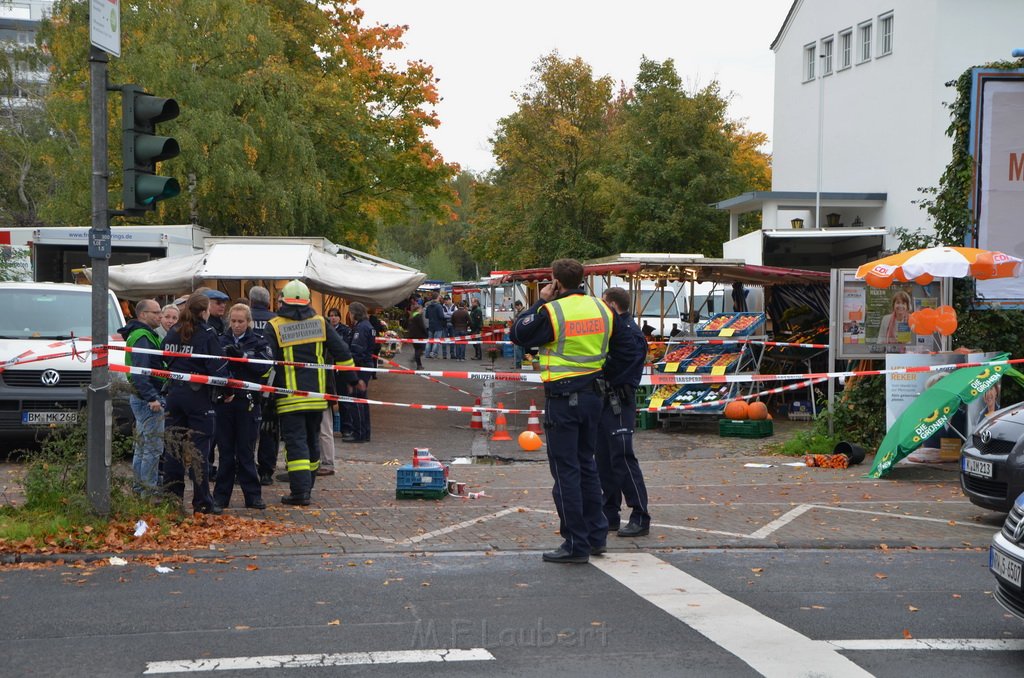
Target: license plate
x=45, y=418
x=977, y=467
x=1004, y=566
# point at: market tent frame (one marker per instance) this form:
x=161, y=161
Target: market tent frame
x=349, y=274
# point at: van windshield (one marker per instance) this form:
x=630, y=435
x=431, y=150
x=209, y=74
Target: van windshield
x=49, y=314
x=651, y=302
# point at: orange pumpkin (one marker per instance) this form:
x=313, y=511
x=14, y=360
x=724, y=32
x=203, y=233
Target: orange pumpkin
x=737, y=409
x=757, y=410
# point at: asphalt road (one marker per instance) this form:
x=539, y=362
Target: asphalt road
x=680, y=613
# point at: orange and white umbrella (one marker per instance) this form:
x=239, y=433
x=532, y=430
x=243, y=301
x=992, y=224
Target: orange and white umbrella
x=923, y=266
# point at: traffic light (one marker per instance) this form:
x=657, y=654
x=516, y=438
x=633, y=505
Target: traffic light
x=141, y=149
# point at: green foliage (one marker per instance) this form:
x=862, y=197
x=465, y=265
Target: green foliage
x=292, y=121
x=583, y=171
x=815, y=440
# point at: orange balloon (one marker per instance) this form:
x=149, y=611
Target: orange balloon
x=877, y=281
x=946, y=323
x=947, y=310
x=923, y=321
x=530, y=441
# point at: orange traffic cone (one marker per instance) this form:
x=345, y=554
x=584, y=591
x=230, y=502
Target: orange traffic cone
x=533, y=420
x=501, y=426
x=476, y=421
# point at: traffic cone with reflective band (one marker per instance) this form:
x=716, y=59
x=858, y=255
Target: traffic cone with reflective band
x=501, y=426
x=533, y=420
x=476, y=421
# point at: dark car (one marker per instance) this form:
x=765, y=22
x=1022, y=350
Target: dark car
x=1006, y=560
x=992, y=461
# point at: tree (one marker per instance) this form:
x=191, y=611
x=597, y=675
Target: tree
x=539, y=204
x=291, y=121
x=675, y=154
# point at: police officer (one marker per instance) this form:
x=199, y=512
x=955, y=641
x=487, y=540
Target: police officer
x=616, y=462
x=573, y=331
x=363, y=341
x=189, y=404
x=269, y=437
x=238, y=422
x=299, y=334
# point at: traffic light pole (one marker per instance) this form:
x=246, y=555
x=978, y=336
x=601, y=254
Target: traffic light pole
x=97, y=477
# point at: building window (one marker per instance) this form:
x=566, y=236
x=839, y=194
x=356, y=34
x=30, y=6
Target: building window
x=845, y=49
x=885, y=35
x=810, y=54
x=864, y=42
x=826, y=56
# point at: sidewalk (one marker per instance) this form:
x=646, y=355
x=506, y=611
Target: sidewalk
x=701, y=494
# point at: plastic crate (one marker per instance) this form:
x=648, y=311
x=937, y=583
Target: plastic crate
x=725, y=324
x=729, y=428
x=430, y=478
x=421, y=494
x=645, y=421
x=714, y=325
x=750, y=321
x=643, y=394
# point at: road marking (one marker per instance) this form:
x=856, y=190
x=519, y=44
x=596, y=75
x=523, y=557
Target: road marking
x=781, y=521
x=737, y=628
x=954, y=644
x=988, y=528
x=298, y=661
x=458, y=526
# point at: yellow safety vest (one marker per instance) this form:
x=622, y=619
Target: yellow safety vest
x=301, y=341
x=583, y=329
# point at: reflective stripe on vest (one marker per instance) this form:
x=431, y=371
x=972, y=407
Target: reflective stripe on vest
x=294, y=403
x=583, y=328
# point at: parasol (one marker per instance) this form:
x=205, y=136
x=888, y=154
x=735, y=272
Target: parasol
x=924, y=265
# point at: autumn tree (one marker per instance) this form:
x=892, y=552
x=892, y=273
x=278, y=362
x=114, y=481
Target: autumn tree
x=676, y=153
x=539, y=202
x=291, y=121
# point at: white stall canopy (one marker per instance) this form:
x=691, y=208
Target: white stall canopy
x=349, y=274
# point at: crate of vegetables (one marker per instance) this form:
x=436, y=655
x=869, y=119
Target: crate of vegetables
x=714, y=400
x=660, y=396
x=688, y=395
x=676, y=356
x=744, y=324
x=714, y=325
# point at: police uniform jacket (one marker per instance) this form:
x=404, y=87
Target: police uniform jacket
x=204, y=342
x=260, y=316
x=251, y=344
x=217, y=323
x=299, y=334
x=138, y=334
x=533, y=327
x=627, y=352
x=362, y=347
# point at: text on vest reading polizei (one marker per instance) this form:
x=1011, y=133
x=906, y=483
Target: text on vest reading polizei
x=575, y=328
x=302, y=331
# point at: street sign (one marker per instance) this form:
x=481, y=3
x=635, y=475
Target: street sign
x=99, y=243
x=105, y=25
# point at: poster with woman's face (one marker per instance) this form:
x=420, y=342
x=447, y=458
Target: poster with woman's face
x=888, y=316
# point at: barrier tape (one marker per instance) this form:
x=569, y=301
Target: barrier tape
x=784, y=344
x=655, y=379
x=436, y=381
x=239, y=384
x=478, y=338
x=718, y=403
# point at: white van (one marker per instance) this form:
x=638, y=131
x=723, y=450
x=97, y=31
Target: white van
x=662, y=308
x=35, y=318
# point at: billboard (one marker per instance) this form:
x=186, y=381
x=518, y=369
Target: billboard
x=997, y=146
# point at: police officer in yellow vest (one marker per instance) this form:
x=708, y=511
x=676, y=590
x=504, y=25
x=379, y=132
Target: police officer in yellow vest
x=573, y=331
x=299, y=334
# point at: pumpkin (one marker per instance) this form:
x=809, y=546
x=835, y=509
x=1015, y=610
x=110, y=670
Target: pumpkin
x=737, y=409
x=757, y=410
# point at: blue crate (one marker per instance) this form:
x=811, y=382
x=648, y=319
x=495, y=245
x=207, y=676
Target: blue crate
x=411, y=477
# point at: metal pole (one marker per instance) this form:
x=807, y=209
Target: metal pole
x=97, y=478
x=821, y=139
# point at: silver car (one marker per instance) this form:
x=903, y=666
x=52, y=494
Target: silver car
x=1006, y=560
x=992, y=461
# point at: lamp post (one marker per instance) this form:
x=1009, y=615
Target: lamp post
x=821, y=138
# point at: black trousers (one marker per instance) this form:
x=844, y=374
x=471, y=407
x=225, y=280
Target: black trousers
x=572, y=440
x=191, y=410
x=300, y=432
x=237, y=429
x=617, y=464
x=269, y=439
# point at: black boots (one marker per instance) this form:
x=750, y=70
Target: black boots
x=295, y=500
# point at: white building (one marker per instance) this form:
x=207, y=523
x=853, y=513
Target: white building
x=871, y=76
x=19, y=21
